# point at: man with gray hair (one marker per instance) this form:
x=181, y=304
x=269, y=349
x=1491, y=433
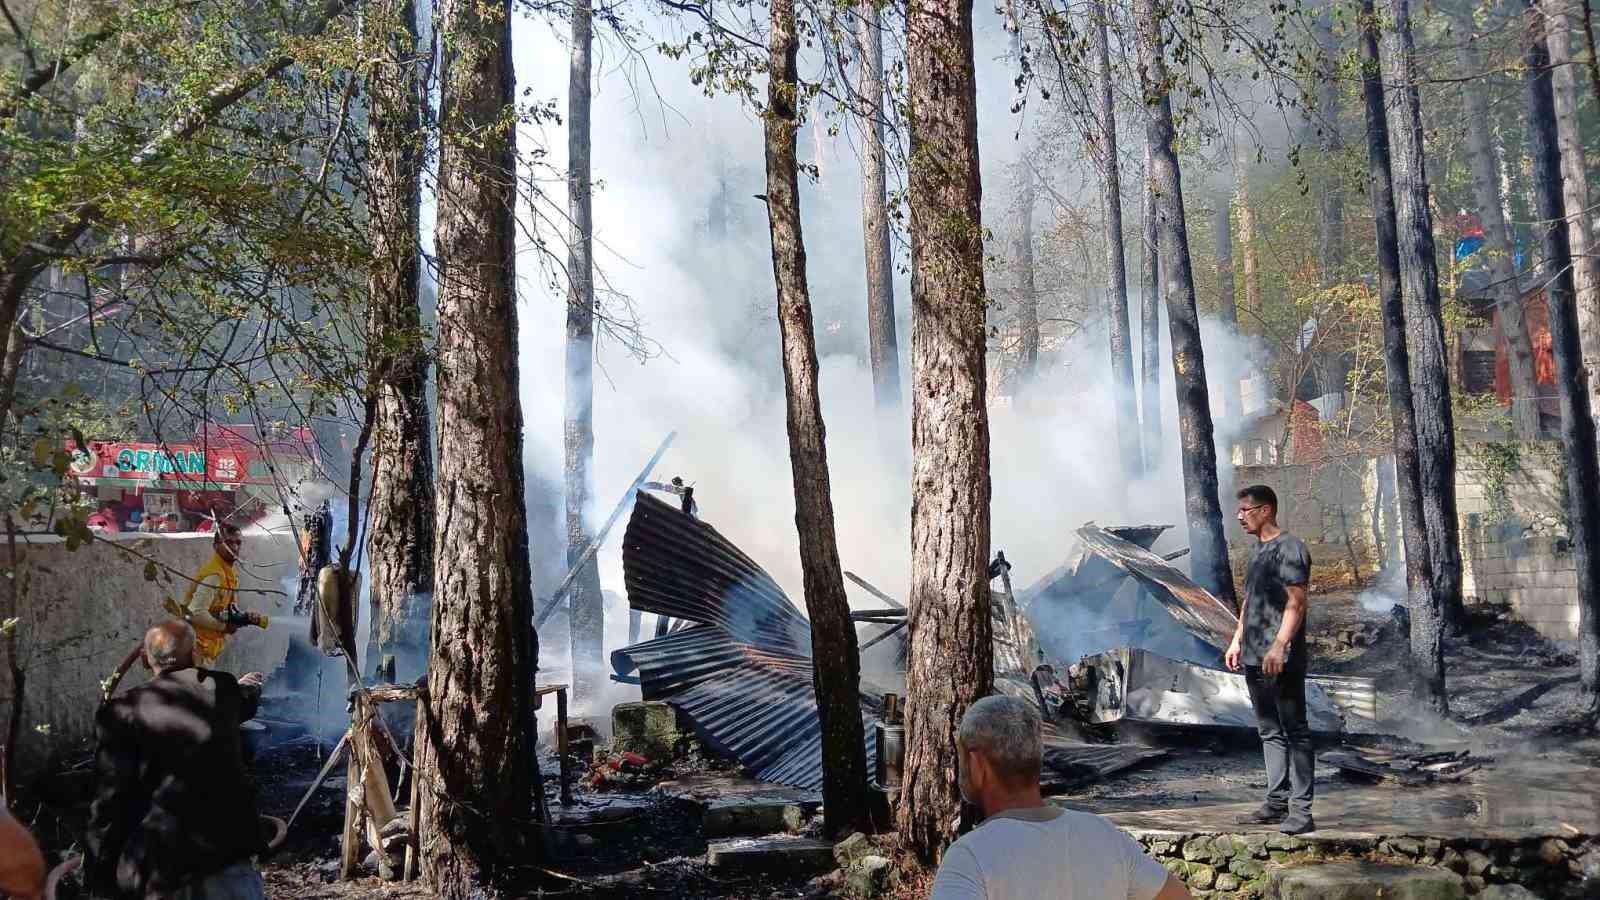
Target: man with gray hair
x=1025, y=848
x=174, y=814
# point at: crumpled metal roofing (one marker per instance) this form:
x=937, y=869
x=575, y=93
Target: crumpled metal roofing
x=741, y=675
x=1094, y=579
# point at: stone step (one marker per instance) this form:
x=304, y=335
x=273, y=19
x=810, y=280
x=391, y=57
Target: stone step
x=772, y=855
x=1365, y=881
x=735, y=816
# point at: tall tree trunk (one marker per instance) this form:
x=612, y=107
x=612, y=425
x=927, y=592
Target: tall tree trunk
x=1116, y=253
x=478, y=761
x=1150, y=324
x=1227, y=304
x=1592, y=57
x=1247, y=231
x=1207, y=541
x=952, y=658
x=836, y=665
x=1575, y=193
x=1027, y=292
x=585, y=602
x=1330, y=230
x=1430, y=378
x=882, y=347
x=1577, y=421
x=400, y=533
x=1427, y=647
x=1504, y=287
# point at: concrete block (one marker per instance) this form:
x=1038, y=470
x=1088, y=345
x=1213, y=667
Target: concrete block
x=649, y=728
x=1365, y=881
x=729, y=818
x=775, y=855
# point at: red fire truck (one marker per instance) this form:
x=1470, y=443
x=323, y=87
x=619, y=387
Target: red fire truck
x=232, y=472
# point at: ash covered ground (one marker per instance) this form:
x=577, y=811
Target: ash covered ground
x=1513, y=698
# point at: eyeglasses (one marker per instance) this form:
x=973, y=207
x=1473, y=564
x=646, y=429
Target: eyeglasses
x=1245, y=509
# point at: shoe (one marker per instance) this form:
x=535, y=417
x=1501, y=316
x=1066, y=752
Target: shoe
x=1264, y=815
x=1297, y=825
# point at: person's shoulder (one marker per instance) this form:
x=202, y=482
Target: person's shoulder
x=1289, y=542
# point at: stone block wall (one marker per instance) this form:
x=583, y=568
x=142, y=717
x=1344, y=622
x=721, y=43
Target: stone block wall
x=1511, y=501
x=1241, y=865
x=82, y=610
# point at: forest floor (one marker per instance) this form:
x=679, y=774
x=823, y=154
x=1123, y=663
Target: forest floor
x=1513, y=697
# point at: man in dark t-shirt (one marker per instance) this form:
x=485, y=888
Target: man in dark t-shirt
x=1270, y=646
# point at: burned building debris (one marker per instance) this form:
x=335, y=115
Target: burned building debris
x=739, y=667
x=737, y=662
x=1130, y=639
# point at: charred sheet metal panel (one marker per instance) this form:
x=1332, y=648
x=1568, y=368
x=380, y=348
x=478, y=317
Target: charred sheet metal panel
x=741, y=675
x=1114, y=592
x=1137, y=686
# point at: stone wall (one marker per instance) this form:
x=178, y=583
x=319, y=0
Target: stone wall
x=1240, y=865
x=1511, y=501
x=82, y=610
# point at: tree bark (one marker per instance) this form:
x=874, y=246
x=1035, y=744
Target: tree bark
x=1222, y=226
x=951, y=658
x=400, y=532
x=1427, y=647
x=1150, y=325
x=1027, y=291
x=1116, y=253
x=1504, y=287
x=586, y=605
x=1575, y=193
x=1430, y=378
x=1247, y=232
x=1207, y=541
x=1330, y=230
x=1577, y=420
x=882, y=346
x=836, y=665
x=478, y=762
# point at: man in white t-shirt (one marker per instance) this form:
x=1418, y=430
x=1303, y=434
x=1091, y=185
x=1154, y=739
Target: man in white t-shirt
x=1026, y=849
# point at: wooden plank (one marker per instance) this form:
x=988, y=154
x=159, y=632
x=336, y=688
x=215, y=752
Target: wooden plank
x=561, y=745
x=419, y=736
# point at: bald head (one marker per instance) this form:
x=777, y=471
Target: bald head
x=169, y=646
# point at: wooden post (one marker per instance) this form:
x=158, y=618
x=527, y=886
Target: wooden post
x=418, y=735
x=561, y=745
x=350, y=841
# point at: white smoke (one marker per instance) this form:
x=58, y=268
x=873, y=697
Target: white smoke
x=706, y=297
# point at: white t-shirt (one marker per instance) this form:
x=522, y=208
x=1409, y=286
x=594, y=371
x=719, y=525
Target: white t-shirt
x=1047, y=852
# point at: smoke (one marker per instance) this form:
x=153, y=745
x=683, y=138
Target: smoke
x=680, y=232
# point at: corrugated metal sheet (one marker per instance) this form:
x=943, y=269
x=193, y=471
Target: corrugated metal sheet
x=1205, y=617
x=741, y=675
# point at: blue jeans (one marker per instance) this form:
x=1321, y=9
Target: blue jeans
x=1280, y=705
x=239, y=881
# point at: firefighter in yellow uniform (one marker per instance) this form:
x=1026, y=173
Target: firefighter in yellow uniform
x=212, y=603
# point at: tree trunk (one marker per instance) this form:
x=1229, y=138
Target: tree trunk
x=882, y=347
x=952, y=658
x=1577, y=421
x=1504, y=287
x=1150, y=325
x=1116, y=253
x=1207, y=541
x=1430, y=378
x=1330, y=231
x=400, y=533
x=1575, y=193
x=1247, y=232
x=478, y=760
x=1592, y=58
x=586, y=605
x=836, y=665
x=1427, y=648
x=1027, y=292
x=1222, y=226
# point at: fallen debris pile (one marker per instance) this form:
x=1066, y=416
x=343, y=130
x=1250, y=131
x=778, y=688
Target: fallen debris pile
x=1397, y=767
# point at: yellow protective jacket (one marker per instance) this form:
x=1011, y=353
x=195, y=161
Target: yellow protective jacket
x=218, y=581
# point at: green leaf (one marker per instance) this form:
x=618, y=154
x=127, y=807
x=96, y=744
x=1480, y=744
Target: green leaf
x=151, y=571
x=9, y=626
x=41, y=452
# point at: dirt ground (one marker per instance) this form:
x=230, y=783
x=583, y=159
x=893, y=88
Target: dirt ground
x=1511, y=694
